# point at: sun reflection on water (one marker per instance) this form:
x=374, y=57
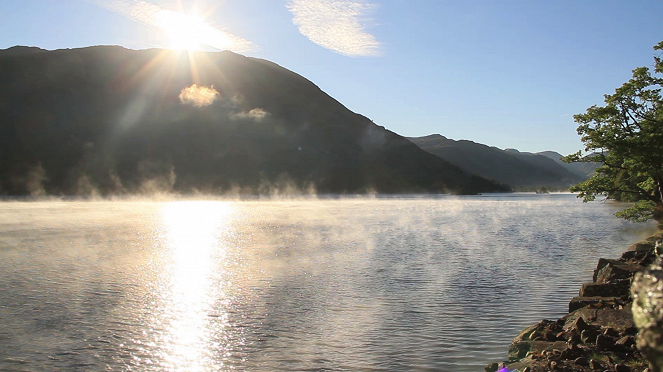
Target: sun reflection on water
x=194, y=233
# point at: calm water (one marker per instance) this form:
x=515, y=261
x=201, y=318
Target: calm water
x=392, y=284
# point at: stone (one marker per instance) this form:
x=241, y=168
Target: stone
x=580, y=302
x=549, y=335
x=602, y=342
x=647, y=292
x=609, y=331
x=622, y=368
x=492, y=367
x=531, y=332
x=626, y=341
x=588, y=336
x=580, y=325
x=619, y=319
x=594, y=364
x=574, y=339
x=618, y=288
x=641, y=246
x=608, y=270
x=581, y=361
x=520, y=349
x=520, y=365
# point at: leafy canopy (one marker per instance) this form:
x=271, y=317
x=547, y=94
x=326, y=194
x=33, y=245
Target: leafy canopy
x=626, y=137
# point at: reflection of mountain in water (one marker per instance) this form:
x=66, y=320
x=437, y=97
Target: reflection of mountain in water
x=111, y=120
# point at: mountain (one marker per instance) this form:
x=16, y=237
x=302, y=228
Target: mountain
x=518, y=169
x=584, y=170
x=108, y=120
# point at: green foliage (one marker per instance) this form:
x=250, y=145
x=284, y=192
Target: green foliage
x=626, y=138
x=640, y=211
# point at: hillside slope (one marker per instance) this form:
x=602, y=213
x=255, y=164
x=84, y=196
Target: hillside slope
x=520, y=170
x=107, y=120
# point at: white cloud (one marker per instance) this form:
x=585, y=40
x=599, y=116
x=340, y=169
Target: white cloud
x=335, y=25
x=257, y=114
x=184, y=31
x=198, y=96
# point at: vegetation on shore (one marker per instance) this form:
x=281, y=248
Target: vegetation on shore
x=626, y=139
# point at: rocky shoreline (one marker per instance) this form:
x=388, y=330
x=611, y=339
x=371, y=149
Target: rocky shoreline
x=598, y=333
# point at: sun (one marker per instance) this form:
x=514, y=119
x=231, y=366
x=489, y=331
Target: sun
x=191, y=32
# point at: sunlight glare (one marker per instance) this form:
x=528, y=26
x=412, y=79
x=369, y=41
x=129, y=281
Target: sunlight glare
x=191, y=32
x=193, y=230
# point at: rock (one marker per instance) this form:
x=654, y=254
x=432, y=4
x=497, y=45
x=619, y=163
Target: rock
x=602, y=342
x=575, y=353
x=574, y=339
x=580, y=302
x=594, y=364
x=647, y=291
x=626, y=341
x=492, y=367
x=580, y=325
x=619, y=319
x=642, y=258
x=520, y=349
x=529, y=333
x=647, y=244
x=520, y=365
x=609, y=331
x=622, y=368
x=618, y=288
x=549, y=335
x=581, y=361
x=641, y=246
x=588, y=336
x=600, y=323
x=608, y=270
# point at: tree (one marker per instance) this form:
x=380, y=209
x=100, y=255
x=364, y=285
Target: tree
x=626, y=137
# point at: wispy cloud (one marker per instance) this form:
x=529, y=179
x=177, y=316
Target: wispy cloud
x=257, y=114
x=335, y=25
x=184, y=31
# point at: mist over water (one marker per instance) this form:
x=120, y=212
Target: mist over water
x=373, y=284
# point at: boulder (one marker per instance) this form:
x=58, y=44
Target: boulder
x=620, y=320
x=647, y=291
x=618, y=288
x=609, y=270
x=642, y=246
x=596, y=301
x=519, y=350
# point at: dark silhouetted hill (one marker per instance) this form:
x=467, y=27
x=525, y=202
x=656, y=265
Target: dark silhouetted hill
x=521, y=170
x=107, y=120
x=584, y=170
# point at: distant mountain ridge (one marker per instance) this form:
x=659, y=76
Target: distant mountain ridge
x=521, y=170
x=108, y=120
x=584, y=170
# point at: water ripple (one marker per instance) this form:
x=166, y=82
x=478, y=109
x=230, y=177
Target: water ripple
x=396, y=284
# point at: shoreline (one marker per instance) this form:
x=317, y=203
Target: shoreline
x=598, y=333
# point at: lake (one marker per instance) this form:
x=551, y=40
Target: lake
x=409, y=283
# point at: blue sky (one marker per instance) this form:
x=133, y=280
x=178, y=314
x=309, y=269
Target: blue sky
x=503, y=73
